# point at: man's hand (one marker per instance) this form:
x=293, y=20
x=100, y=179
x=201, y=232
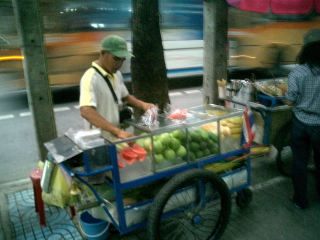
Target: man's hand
x=123, y=134
x=147, y=106
x=134, y=102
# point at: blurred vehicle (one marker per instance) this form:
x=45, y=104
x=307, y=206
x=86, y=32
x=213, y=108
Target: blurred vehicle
x=73, y=31
x=264, y=44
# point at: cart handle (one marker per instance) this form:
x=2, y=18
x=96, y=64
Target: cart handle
x=88, y=174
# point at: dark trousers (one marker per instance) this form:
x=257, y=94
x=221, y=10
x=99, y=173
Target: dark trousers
x=304, y=137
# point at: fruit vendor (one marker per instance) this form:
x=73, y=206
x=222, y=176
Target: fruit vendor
x=97, y=102
x=304, y=95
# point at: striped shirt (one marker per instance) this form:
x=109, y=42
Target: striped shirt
x=304, y=91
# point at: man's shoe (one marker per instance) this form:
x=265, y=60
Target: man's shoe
x=298, y=205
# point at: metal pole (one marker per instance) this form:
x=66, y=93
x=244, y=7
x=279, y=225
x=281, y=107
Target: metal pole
x=30, y=27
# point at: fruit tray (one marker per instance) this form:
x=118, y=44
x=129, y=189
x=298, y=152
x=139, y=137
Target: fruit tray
x=272, y=88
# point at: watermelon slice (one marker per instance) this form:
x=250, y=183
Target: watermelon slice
x=129, y=155
x=120, y=163
x=179, y=114
x=140, y=152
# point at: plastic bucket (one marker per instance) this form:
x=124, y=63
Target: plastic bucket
x=93, y=228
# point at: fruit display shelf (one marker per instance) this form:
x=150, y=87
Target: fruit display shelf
x=207, y=130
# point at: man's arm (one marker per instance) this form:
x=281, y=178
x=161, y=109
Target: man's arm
x=93, y=117
x=134, y=102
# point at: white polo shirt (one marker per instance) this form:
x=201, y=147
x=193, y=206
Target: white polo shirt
x=95, y=92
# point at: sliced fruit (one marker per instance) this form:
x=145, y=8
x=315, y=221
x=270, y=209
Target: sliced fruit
x=120, y=163
x=139, y=151
x=129, y=154
x=180, y=114
x=130, y=162
x=120, y=146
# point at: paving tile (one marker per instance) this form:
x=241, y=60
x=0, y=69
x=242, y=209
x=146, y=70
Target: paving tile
x=25, y=221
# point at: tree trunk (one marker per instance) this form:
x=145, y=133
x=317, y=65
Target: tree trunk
x=148, y=69
x=30, y=28
x=215, y=45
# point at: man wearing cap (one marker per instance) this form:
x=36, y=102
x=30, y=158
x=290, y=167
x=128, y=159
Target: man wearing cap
x=304, y=95
x=97, y=103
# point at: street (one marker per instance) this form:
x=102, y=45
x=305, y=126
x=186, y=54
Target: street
x=19, y=154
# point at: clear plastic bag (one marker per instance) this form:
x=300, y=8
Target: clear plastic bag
x=150, y=117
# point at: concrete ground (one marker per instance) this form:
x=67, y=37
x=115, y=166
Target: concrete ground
x=270, y=216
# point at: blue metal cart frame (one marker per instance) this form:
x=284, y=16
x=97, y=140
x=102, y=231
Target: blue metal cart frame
x=120, y=224
x=119, y=187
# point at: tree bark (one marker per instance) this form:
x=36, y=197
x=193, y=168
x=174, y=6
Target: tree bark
x=30, y=28
x=148, y=69
x=215, y=62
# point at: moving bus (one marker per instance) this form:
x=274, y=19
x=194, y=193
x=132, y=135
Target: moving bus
x=266, y=44
x=261, y=43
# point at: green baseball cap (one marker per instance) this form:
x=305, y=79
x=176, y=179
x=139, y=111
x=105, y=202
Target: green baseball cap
x=116, y=45
x=311, y=36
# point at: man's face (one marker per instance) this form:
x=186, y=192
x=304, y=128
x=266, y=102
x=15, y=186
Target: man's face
x=110, y=62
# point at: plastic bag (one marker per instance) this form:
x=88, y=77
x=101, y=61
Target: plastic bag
x=59, y=194
x=150, y=117
x=177, y=114
x=246, y=92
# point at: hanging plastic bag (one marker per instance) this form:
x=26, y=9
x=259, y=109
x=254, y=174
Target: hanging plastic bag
x=59, y=193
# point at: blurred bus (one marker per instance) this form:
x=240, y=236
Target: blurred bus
x=73, y=31
x=261, y=43
x=266, y=44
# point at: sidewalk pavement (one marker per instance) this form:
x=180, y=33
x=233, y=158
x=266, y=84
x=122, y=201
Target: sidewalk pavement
x=270, y=216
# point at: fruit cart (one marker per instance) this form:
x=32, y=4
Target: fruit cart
x=276, y=116
x=176, y=178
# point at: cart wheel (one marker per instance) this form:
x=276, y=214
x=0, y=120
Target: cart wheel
x=244, y=198
x=284, y=157
x=194, y=204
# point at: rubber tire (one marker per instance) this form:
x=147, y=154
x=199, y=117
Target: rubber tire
x=244, y=198
x=189, y=222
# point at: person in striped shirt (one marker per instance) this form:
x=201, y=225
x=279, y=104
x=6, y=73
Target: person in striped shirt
x=304, y=95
